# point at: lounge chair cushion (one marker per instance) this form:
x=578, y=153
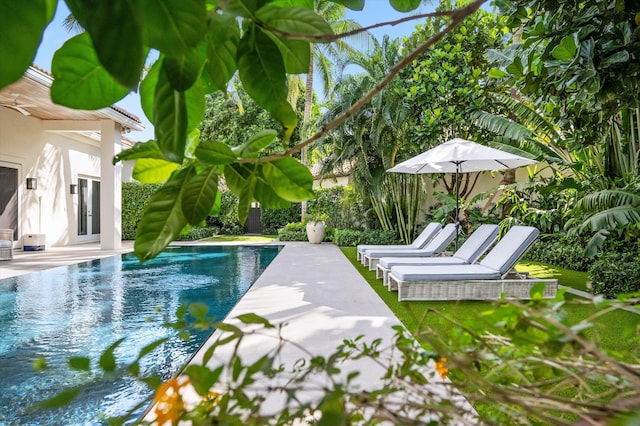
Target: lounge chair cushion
x=433, y=247
x=6, y=244
x=444, y=273
x=389, y=262
x=425, y=236
x=510, y=248
x=477, y=243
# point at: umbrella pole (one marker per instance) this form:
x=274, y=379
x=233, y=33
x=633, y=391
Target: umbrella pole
x=457, y=219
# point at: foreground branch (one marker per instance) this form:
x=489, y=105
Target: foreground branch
x=457, y=16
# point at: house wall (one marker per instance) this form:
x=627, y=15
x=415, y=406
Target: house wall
x=55, y=159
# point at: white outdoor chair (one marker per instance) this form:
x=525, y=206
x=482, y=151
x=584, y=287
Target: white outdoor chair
x=6, y=244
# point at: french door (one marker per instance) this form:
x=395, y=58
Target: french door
x=9, y=199
x=88, y=209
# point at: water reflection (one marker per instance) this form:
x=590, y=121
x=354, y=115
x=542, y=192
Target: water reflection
x=82, y=309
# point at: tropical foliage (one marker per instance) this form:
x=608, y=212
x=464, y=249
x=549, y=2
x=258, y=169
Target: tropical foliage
x=201, y=45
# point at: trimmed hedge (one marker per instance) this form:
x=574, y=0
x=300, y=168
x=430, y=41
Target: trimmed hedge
x=274, y=219
x=613, y=274
x=350, y=237
x=617, y=270
x=135, y=197
x=560, y=250
x=613, y=271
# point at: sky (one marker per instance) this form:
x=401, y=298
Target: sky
x=55, y=35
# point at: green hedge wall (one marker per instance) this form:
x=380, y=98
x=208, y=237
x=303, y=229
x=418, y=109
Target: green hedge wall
x=134, y=200
x=560, y=250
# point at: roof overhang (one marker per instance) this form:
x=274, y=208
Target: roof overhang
x=34, y=90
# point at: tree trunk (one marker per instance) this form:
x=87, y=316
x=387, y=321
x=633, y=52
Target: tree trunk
x=308, y=103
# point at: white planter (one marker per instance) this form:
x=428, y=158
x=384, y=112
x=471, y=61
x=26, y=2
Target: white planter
x=315, y=232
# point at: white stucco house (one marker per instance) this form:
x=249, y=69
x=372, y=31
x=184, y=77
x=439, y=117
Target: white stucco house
x=57, y=179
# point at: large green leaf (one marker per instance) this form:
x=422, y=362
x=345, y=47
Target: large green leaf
x=289, y=178
x=256, y=143
x=261, y=68
x=236, y=176
x=294, y=20
x=403, y=5
x=266, y=194
x=352, y=4
x=148, y=89
x=183, y=70
x=566, y=49
x=147, y=149
x=245, y=8
x=21, y=27
x=223, y=37
x=163, y=219
x=196, y=104
x=295, y=54
x=215, y=153
x=81, y=82
x=284, y=113
x=174, y=26
x=120, y=47
x=200, y=195
x=150, y=170
x=288, y=3
x=240, y=179
x=170, y=114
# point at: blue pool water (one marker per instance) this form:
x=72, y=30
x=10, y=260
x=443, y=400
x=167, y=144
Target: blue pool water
x=80, y=310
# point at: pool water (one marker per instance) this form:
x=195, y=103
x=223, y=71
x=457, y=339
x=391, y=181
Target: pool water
x=80, y=310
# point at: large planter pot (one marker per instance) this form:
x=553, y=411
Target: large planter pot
x=315, y=232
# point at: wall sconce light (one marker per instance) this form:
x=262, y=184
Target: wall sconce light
x=32, y=183
x=73, y=189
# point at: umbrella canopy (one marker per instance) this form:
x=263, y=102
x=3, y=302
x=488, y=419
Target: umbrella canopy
x=460, y=156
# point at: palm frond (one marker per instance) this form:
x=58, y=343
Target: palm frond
x=615, y=217
x=501, y=125
x=607, y=199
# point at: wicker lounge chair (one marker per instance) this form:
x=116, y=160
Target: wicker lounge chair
x=474, y=247
x=425, y=236
x=6, y=244
x=433, y=248
x=488, y=279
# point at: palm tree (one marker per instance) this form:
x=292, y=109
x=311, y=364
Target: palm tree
x=322, y=60
x=371, y=140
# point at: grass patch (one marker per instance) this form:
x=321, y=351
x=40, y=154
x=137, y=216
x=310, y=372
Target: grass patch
x=574, y=279
x=241, y=239
x=611, y=331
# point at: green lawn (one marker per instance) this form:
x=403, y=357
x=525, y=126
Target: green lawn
x=609, y=329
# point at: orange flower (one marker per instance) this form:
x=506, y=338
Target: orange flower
x=168, y=404
x=441, y=368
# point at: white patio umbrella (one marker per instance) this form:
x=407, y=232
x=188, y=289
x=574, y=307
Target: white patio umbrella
x=460, y=156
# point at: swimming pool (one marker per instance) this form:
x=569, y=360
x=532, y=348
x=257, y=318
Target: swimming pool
x=80, y=310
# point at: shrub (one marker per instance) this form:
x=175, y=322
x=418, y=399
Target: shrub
x=560, y=250
x=198, y=233
x=293, y=232
x=351, y=237
x=615, y=273
x=342, y=206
